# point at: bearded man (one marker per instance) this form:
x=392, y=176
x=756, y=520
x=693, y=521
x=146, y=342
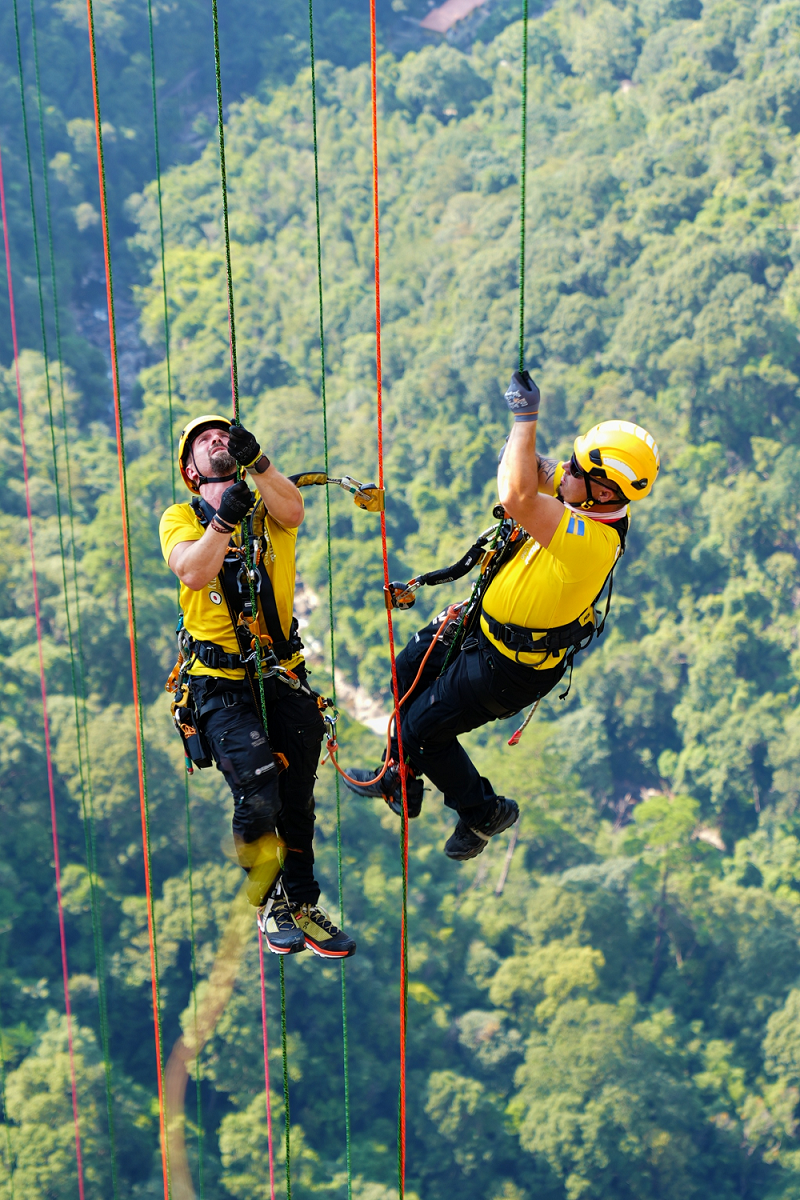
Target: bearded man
x=203, y=542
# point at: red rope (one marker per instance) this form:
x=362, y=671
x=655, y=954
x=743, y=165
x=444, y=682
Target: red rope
x=395, y=689
x=123, y=491
x=266, y=1064
x=43, y=682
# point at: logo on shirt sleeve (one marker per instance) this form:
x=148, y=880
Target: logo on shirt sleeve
x=577, y=526
x=215, y=597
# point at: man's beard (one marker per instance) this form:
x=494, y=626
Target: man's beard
x=221, y=462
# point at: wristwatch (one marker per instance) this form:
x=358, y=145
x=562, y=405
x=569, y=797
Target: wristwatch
x=260, y=465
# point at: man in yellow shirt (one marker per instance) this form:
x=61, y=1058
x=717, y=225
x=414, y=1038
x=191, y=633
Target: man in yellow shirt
x=202, y=544
x=537, y=611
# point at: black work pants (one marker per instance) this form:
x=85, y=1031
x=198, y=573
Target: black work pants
x=265, y=798
x=479, y=685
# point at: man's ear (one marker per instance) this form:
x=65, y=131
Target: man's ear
x=191, y=469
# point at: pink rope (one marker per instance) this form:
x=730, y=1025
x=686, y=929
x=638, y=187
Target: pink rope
x=47, y=746
x=266, y=1065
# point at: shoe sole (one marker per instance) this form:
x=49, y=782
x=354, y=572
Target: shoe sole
x=320, y=953
x=296, y=949
x=483, y=843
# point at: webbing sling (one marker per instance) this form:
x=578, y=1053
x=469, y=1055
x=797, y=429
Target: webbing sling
x=283, y=647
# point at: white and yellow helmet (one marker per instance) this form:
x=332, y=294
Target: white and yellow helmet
x=624, y=453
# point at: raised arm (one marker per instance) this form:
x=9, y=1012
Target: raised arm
x=522, y=472
x=279, y=494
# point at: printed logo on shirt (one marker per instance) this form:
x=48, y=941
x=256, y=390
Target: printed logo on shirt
x=215, y=597
x=576, y=525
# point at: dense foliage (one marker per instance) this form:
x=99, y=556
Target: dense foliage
x=622, y=1019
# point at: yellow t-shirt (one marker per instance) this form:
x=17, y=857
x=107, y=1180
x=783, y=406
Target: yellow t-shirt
x=205, y=613
x=544, y=588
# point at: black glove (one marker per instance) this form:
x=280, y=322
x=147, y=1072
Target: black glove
x=522, y=397
x=236, y=502
x=243, y=446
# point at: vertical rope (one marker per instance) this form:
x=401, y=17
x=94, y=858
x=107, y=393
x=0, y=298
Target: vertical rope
x=135, y=678
x=171, y=419
x=43, y=685
x=6, y=1126
x=287, y=1128
x=225, y=221
x=87, y=806
x=245, y=539
x=323, y=393
x=522, y=170
x=401, y=1123
x=266, y=1064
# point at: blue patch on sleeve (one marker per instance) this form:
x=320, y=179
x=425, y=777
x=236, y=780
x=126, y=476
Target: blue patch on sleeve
x=576, y=526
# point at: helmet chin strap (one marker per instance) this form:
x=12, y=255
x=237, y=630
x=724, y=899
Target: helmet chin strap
x=209, y=478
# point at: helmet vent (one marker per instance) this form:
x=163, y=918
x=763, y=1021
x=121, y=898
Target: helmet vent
x=638, y=484
x=596, y=457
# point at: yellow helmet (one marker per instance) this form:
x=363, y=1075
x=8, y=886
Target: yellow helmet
x=188, y=434
x=621, y=452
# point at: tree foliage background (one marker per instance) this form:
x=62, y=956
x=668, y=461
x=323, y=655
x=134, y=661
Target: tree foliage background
x=622, y=1020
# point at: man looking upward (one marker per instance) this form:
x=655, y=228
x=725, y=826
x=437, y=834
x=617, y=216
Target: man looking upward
x=202, y=543
x=537, y=611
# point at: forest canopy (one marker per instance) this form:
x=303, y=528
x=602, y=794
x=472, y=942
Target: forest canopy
x=619, y=1017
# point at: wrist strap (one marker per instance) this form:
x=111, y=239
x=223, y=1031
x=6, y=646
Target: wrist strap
x=220, y=526
x=526, y=416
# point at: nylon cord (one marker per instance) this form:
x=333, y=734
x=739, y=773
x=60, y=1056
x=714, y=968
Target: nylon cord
x=6, y=1125
x=245, y=538
x=87, y=805
x=131, y=603
x=265, y=1039
x=43, y=685
x=323, y=393
x=171, y=419
x=401, y=1120
x=287, y=1128
x=522, y=172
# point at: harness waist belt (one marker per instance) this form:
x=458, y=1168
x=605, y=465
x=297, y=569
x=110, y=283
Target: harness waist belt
x=212, y=655
x=525, y=641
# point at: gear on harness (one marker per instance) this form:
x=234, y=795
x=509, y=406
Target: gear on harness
x=494, y=548
x=368, y=496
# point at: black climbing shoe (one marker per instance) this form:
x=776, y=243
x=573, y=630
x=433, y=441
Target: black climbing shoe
x=320, y=933
x=467, y=841
x=388, y=788
x=280, y=930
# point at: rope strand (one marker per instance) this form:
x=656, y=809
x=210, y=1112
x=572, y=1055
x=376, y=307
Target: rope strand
x=323, y=394
x=266, y=1064
x=401, y=1125
x=522, y=171
x=171, y=419
x=87, y=804
x=125, y=515
x=43, y=686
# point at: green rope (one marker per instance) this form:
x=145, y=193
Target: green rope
x=133, y=630
x=232, y=325
x=6, y=1126
x=522, y=169
x=339, y=872
x=286, y=1123
x=171, y=418
x=87, y=804
x=226, y=225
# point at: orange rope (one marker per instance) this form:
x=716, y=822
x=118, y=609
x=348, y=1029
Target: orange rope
x=451, y=615
x=123, y=492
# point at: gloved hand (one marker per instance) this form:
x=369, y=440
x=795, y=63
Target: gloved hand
x=243, y=446
x=522, y=397
x=236, y=502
